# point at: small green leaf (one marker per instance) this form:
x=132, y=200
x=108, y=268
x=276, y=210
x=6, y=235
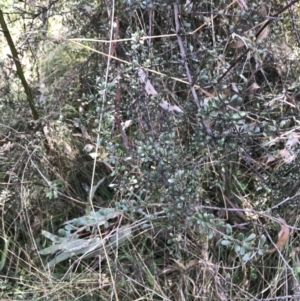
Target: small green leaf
x=69, y=227
x=237, y=248
x=225, y=242
x=240, y=236
x=238, y=115
x=210, y=234
x=234, y=96
x=260, y=252
x=247, y=256
x=228, y=229
x=250, y=237
x=62, y=232
x=262, y=240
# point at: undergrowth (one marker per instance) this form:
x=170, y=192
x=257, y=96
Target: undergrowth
x=160, y=171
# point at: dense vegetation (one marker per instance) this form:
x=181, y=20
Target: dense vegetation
x=149, y=150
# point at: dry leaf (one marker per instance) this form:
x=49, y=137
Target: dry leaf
x=188, y=6
x=270, y=159
x=150, y=89
x=237, y=44
x=99, y=156
x=235, y=88
x=242, y=4
x=264, y=34
x=116, y=27
x=293, y=139
x=283, y=236
x=148, y=86
x=142, y=75
x=253, y=87
x=126, y=124
x=165, y=105
x=287, y=156
x=206, y=100
x=6, y=147
x=264, y=10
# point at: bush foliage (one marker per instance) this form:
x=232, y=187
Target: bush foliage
x=165, y=148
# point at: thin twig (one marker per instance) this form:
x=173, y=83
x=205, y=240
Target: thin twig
x=183, y=56
x=187, y=70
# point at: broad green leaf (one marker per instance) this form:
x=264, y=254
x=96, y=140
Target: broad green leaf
x=50, y=250
x=52, y=237
x=94, y=246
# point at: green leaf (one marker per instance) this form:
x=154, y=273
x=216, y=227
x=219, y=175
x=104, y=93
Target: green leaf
x=238, y=115
x=64, y=245
x=250, y=237
x=225, y=242
x=50, y=250
x=69, y=227
x=262, y=240
x=52, y=237
x=240, y=236
x=234, y=96
x=228, y=229
x=210, y=234
x=237, y=248
x=81, y=246
x=247, y=256
x=260, y=252
x=96, y=218
x=59, y=258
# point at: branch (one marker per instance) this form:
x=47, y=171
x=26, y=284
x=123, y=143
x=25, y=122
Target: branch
x=18, y=66
x=187, y=70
